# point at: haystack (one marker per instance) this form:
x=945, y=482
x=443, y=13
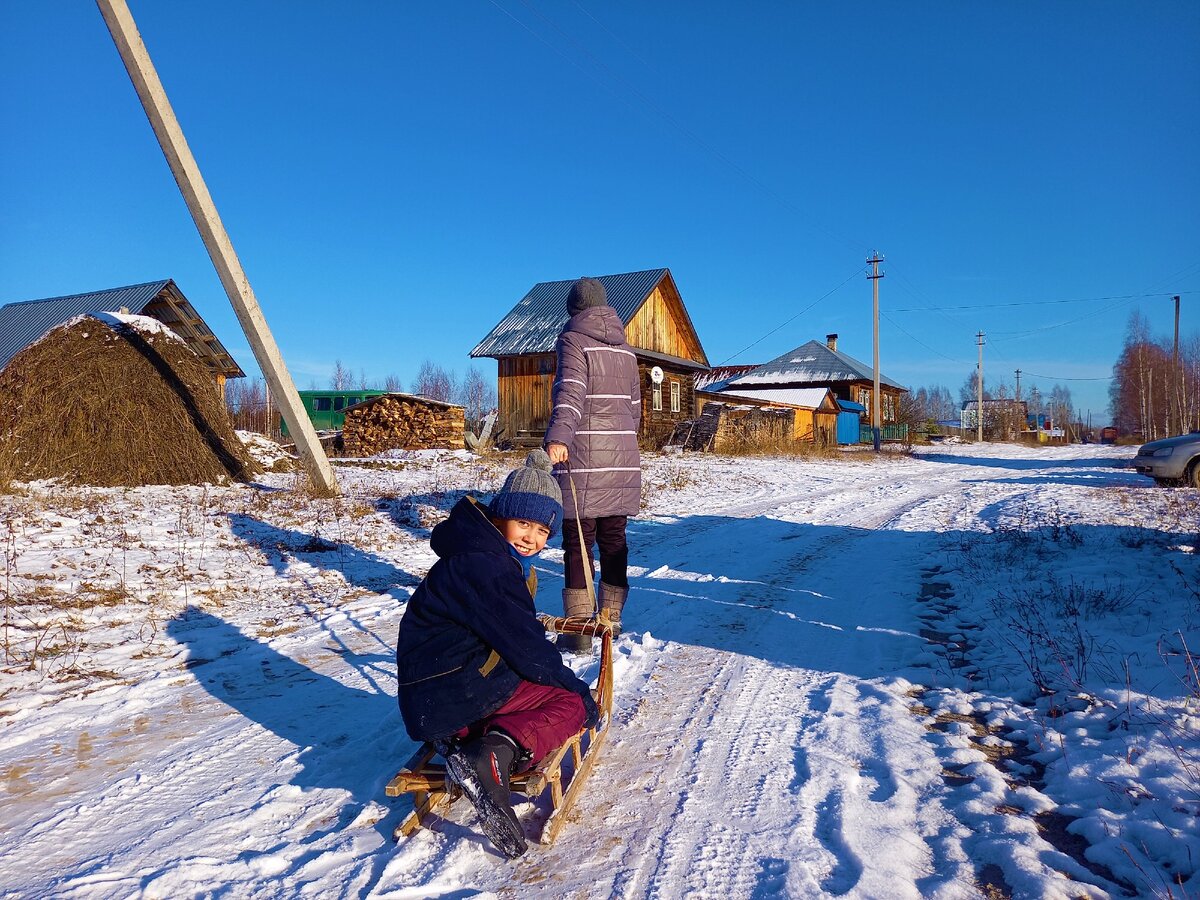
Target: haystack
x=115, y=400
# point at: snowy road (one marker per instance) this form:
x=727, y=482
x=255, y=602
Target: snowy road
x=772, y=738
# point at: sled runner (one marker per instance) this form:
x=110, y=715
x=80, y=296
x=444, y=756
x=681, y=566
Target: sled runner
x=561, y=773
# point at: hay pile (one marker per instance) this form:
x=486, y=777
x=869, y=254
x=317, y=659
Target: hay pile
x=115, y=400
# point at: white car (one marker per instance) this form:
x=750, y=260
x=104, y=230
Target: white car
x=1171, y=460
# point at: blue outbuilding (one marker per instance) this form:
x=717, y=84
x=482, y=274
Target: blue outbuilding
x=849, y=416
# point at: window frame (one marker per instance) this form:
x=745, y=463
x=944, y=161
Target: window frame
x=676, y=396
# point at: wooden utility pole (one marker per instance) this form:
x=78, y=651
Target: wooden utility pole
x=204, y=213
x=876, y=399
x=979, y=392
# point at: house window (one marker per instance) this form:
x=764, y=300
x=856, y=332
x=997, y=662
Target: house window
x=864, y=397
x=889, y=408
x=656, y=398
x=674, y=396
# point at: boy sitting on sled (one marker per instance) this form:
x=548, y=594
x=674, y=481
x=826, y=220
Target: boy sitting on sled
x=477, y=676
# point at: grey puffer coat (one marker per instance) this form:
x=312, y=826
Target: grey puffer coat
x=596, y=405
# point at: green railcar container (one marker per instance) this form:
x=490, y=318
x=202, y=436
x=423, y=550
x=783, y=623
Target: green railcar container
x=327, y=409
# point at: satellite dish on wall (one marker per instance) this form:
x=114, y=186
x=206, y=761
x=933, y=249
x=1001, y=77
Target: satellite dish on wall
x=656, y=375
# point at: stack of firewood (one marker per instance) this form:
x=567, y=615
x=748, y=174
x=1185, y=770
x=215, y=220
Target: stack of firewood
x=402, y=423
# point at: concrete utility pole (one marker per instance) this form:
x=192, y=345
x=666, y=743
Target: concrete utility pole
x=204, y=212
x=979, y=392
x=876, y=399
x=1018, y=384
x=1176, y=377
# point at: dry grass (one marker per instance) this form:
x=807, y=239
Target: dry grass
x=108, y=405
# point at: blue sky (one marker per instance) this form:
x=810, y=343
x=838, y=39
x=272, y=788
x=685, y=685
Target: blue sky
x=395, y=176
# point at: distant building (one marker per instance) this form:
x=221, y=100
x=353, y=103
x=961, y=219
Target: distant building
x=1003, y=419
x=822, y=365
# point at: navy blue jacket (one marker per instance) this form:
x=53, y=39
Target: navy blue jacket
x=470, y=634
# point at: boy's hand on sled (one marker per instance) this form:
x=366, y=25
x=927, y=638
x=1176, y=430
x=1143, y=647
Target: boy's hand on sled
x=591, y=710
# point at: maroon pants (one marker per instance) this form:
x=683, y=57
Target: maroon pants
x=538, y=717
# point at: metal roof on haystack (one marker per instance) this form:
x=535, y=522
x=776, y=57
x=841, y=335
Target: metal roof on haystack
x=811, y=363
x=532, y=326
x=24, y=322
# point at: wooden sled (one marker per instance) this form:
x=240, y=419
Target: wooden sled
x=425, y=779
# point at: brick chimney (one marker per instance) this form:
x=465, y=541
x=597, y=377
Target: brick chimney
x=831, y=341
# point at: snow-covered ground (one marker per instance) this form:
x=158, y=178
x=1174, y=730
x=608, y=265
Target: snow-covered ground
x=963, y=673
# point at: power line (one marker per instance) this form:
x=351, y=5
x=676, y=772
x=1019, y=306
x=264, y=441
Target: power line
x=1120, y=297
x=922, y=343
x=792, y=319
x=1062, y=378
x=613, y=76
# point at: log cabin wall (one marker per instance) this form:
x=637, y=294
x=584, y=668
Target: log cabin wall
x=523, y=394
x=657, y=424
x=660, y=326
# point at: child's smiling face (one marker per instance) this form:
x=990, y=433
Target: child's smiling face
x=527, y=538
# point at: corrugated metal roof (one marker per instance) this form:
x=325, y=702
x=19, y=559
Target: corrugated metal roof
x=805, y=398
x=717, y=377
x=24, y=322
x=532, y=326
x=811, y=363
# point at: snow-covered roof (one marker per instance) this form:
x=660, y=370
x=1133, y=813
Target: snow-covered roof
x=811, y=363
x=805, y=398
x=717, y=377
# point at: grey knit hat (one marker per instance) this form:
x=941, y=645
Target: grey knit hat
x=530, y=493
x=584, y=294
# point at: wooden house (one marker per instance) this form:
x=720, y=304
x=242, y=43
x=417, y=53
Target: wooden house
x=24, y=322
x=822, y=365
x=657, y=327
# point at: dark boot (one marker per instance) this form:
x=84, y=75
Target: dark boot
x=577, y=604
x=612, y=601
x=482, y=769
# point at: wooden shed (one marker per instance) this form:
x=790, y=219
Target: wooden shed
x=396, y=421
x=24, y=322
x=813, y=411
x=657, y=327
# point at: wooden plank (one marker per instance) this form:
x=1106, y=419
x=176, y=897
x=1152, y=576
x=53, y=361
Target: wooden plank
x=563, y=809
x=427, y=805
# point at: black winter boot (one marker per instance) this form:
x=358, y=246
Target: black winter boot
x=482, y=769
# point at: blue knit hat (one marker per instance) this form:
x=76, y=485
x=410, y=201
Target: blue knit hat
x=530, y=493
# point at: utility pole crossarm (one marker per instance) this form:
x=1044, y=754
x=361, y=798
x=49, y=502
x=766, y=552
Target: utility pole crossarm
x=216, y=240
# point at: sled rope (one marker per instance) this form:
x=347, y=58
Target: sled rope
x=590, y=578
